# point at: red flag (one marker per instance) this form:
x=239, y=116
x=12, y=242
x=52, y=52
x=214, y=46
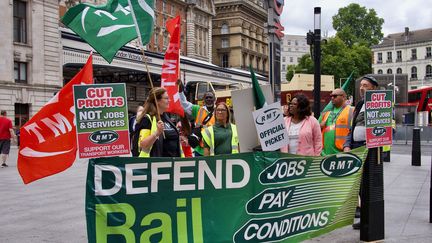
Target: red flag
x=171, y=67
x=48, y=139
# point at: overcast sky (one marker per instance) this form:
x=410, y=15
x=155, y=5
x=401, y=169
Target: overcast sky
x=297, y=16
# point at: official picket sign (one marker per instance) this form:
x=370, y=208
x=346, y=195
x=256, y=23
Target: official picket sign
x=378, y=118
x=101, y=116
x=246, y=197
x=271, y=127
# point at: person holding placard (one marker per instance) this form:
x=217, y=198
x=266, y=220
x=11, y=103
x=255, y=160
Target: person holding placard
x=304, y=132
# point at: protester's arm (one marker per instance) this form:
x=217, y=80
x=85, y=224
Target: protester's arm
x=187, y=106
x=206, y=151
x=317, y=137
x=347, y=144
x=146, y=138
x=13, y=135
x=206, y=148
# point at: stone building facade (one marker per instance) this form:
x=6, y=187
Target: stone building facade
x=293, y=48
x=408, y=52
x=30, y=70
x=239, y=36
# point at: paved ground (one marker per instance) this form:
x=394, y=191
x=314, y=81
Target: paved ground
x=52, y=209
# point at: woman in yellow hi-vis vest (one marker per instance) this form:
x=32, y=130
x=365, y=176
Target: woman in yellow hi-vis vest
x=157, y=138
x=221, y=138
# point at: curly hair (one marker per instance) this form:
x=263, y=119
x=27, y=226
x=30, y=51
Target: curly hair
x=303, y=106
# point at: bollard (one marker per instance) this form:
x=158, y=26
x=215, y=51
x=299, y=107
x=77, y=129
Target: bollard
x=416, y=148
x=372, y=198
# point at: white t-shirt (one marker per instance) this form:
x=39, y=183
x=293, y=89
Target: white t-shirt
x=359, y=133
x=293, y=136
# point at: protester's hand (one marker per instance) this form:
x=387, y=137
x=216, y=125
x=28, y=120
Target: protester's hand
x=180, y=85
x=322, y=124
x=347, y=149
x=160, y=128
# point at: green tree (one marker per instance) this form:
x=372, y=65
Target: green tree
x=293, y=69
x=339, y=60
x=357, y=25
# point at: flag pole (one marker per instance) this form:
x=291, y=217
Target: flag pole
x=141, y=46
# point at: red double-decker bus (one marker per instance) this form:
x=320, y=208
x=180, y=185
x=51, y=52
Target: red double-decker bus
x=423, y=97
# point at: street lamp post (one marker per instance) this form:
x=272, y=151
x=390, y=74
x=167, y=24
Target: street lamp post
x=395, y=69
x=317, y=61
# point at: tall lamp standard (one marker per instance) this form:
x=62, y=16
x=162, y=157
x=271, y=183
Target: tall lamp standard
x=317, y=62
x=394, y=66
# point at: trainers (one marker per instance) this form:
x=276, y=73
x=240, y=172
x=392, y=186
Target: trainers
x=357, y=213
x=4, y=165
x=356, y=226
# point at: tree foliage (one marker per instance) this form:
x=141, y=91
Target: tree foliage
x=339, y=60
x=357, y=25
x=293, y=69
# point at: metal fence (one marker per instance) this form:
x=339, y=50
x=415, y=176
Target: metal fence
x=404, y=133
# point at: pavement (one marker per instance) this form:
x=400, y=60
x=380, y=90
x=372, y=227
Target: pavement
x=52, y=209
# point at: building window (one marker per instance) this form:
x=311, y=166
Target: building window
x=413, y=73
x=413, y=54
x=380, y=71
x=131, y=92
x=428, y=71
x=225, y=62
x=165, y=40
x=173, y=10
x=399, y=56
x=164, y=6
x=224, y=29
x=291, y=59
x=399, y=71
x=224, y=43
x=296, y=42
x=156, y=40
x=22, y=114
x=289, y=43
x=20, y=21
x=389, y=56
x=283, y=59
x=428, y=52
x=379, y=57
x=20, y=72
x=298, y=59
x=283, y=68
x=389, y=71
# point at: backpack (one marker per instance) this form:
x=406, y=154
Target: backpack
x=135, y=137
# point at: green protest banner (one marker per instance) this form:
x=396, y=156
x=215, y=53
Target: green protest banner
x=248, y=197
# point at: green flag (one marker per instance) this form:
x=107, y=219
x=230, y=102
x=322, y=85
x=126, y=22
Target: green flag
x=344, y=87
x=107, y=27
x=258, y=94
x=143, y=15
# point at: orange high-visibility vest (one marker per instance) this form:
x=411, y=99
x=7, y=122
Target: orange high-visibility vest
x=342, y=125
x=202, y=114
